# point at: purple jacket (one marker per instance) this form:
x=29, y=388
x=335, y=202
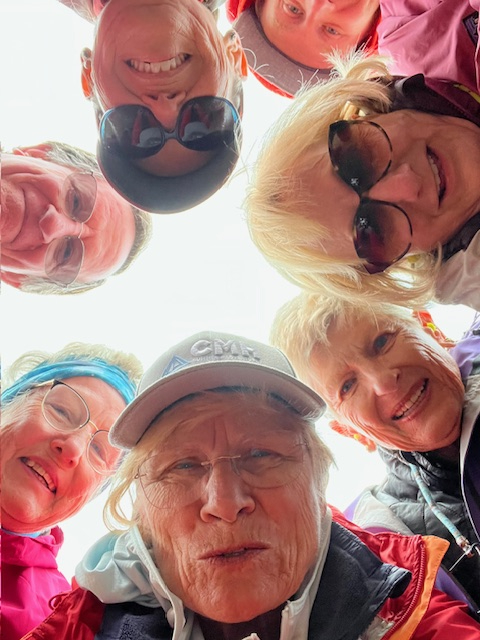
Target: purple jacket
x=467, y=356
x=438, y=38
x=30, y=577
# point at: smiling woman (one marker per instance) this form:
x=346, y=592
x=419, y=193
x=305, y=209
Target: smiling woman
x=57, y=410
x=368, y=185
x=388, y=382
x=157, y=57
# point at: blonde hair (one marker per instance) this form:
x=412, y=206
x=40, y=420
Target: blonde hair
x=303, y=323
x=278, y=205
x=31, y=359
x=12, y=411
x=208, y=405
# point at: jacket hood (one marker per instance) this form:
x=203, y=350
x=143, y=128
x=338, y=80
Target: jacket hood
x=123, y=560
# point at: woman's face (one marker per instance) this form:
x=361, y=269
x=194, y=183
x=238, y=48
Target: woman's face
x=390, y=381
x=46, y=477
x=236, y=551
x=307, y=31
x=433, y=177
x=161, y=53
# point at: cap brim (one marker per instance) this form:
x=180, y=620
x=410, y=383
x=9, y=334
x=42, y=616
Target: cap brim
x=269, y=63
x=172, y=194
x=137, y=417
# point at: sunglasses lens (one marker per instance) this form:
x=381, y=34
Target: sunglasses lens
x=63, y=259
x=360, y=152
x=381, y=234
x=131, y=131
x=207, y=123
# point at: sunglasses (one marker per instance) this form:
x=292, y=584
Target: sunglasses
x=361, y=154
x=203, y=124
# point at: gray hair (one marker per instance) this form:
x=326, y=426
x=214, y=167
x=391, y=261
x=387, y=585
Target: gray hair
x=209, y=404
x=69, y=156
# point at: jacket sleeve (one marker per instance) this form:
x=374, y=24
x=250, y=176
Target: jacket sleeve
x=466, y=352
x=446, y=619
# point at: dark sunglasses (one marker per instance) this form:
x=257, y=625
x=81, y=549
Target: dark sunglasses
x=203, y=124
x=361, y=153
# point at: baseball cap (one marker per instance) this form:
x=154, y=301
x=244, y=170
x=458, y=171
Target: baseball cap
x=172, y=194
x=273, y=68
x=212, y=360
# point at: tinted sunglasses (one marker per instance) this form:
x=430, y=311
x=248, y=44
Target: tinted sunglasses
x=203, y=124
x=361, y=153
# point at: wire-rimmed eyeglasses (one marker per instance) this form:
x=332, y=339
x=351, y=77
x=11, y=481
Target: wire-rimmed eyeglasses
x=65, y=410
x=64, y=256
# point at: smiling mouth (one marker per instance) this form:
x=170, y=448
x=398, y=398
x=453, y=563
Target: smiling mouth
x=438, y=173
x=407, y=406
x=41, y=473
x=145, y=66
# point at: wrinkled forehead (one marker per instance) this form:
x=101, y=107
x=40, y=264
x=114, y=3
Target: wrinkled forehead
x=230, y=414
x=15, y=164
x=114, y=9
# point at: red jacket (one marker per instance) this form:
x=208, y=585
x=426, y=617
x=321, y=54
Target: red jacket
x=355, y=590
x=30, y=578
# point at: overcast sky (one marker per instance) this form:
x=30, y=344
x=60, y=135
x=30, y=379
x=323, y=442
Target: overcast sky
x=200, y=271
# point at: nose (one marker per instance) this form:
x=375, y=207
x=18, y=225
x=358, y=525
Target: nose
x=55, y=224
x=399, y=185
x=226, y=495
x=69, y=448
x=383, y=380
x=165, y=106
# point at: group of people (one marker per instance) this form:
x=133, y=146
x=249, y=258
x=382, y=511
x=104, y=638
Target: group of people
x=230, y=536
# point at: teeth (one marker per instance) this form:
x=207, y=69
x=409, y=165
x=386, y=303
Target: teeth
x=46, y=477
x=436, y=173
x=410, y=402
x=158, y=67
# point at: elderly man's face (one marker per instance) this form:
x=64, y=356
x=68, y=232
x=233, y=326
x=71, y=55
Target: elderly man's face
x=236, y=551
x=34, y=215
x=51, y=466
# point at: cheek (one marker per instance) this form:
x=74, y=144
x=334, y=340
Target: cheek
x=444, y=368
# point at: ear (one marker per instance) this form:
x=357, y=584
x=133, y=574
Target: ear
x=236, y=53
x=86, y=76
x=13, y=279
x=345, y=430
x=35, y=151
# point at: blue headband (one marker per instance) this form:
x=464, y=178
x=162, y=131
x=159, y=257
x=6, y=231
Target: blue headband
x=73, y=368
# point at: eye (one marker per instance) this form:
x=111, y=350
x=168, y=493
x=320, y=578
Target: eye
x=331, y=31
x=293, y=9
x=383, y=342
x=347, y=386
x=61, y=412
x=74, y=203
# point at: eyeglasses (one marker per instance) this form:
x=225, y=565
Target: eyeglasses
x=65, y=410
x=203, y=124
x=361, y=154
x=64, y=256
x=174, y=478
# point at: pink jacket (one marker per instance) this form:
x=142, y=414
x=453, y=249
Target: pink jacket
x=30, y=577
x=438, y=38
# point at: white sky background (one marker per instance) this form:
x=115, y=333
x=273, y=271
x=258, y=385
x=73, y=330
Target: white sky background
x=200, y=271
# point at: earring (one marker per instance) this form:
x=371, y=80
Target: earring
x=369, y=445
